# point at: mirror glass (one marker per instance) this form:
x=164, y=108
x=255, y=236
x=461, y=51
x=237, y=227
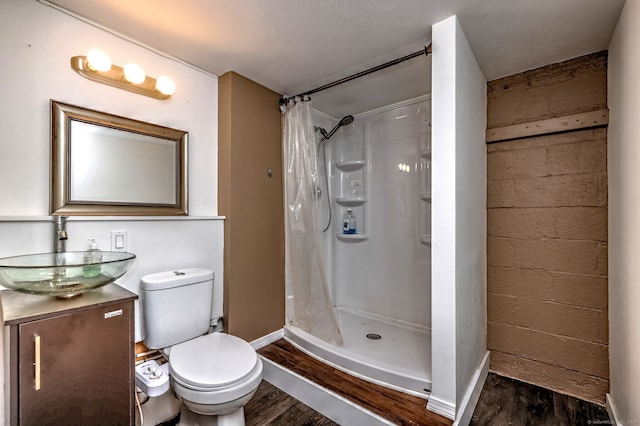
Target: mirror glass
x=109, y=165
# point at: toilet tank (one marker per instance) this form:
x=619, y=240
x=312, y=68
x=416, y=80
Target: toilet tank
x=176, y=306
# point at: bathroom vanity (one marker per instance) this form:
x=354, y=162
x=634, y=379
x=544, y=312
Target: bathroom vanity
x=69, y=361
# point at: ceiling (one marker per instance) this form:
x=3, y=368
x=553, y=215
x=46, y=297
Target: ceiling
x=295, y=46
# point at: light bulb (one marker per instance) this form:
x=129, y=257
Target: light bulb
x=165, y=85
x=134, y=73
x=98, y=60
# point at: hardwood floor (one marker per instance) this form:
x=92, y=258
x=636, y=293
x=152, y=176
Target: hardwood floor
x=271, y=406
x=397, y=407
x=503, y=401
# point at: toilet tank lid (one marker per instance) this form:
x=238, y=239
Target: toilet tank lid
x=175, y=278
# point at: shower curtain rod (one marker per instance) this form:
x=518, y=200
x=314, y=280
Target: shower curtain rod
x=426, y=51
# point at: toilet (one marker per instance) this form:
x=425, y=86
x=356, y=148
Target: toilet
x=214, y=374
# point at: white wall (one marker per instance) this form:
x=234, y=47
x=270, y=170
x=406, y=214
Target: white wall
x=624, y=216
x=471, y=214
x=36, y=46
x=159, y=245
x=458, y=218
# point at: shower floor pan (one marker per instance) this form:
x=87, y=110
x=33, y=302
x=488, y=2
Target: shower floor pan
x=400, y=359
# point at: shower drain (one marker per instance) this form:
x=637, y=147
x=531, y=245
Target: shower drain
x=374, y=336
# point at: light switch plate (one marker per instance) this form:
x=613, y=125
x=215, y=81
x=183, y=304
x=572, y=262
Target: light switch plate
x=119, y=241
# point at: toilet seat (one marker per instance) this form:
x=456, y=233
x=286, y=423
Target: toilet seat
x=213, y=361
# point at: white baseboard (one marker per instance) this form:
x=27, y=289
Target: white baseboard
x=611, y=409
x=471, y=396
x=469, y=401
x=441, y=407
x=327, y=403
x=268, y=339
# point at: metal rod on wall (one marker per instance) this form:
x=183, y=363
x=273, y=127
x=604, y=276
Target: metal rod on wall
x=426, y=51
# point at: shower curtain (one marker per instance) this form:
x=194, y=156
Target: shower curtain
x=308, y=305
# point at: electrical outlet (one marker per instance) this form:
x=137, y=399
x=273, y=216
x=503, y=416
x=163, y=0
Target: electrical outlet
x=119, y=241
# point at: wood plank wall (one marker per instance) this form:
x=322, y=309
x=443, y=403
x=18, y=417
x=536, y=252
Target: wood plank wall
x=547, y=231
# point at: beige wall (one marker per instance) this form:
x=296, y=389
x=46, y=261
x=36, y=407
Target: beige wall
x=547, y=232
x=249, y=143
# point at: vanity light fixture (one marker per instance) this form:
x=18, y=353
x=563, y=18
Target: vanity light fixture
x=98, y=60
x=97, y=66
x=134, y=73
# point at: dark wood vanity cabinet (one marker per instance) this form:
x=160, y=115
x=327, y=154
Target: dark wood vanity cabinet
x=72, y=365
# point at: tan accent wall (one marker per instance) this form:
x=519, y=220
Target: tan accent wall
x=249, y=143
x=547, y=232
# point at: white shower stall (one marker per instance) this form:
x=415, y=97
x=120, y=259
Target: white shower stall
x=379, y=168
x=407, y=290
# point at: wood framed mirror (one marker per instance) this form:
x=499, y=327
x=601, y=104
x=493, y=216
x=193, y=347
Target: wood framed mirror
x=104, y=164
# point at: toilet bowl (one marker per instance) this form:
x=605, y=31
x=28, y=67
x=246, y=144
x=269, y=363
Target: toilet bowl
x=216, y=374
x=213, y=374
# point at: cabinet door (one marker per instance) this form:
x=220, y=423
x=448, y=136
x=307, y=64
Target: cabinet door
x=86, y=368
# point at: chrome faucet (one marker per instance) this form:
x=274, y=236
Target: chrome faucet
x=60, y=234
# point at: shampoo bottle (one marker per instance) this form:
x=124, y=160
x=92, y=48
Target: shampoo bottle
x=352, y=224
x=348, y=216
x=92, y=259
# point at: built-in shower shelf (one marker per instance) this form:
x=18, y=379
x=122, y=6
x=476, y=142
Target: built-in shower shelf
x=350, y=166
x=425, y=239
x=351, y=201
x=425, y=197
x=351, y=237
x=425, y=152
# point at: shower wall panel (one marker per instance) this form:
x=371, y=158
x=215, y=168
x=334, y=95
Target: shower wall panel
x=326, y=122
x=387, y=272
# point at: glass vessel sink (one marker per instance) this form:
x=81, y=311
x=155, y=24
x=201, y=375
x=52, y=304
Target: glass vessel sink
x=64, y=274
